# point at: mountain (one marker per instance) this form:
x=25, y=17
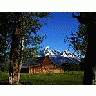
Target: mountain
x=56, y=52
x=57, y=57
x=60, y=57
x=47, y=51
x=68, y=54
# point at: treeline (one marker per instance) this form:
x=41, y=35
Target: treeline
x=73, y=66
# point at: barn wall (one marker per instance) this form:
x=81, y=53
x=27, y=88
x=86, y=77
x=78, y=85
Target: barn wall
x=46, y=67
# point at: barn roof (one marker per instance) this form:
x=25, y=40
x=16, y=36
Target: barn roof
x=56, y=60
x=53, y=60
x=38, y=62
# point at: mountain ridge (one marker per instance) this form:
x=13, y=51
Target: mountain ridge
x=66, y=57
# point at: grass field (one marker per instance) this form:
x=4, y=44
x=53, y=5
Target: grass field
x=67, y=78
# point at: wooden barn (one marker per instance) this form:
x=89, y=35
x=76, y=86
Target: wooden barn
x=44, y=66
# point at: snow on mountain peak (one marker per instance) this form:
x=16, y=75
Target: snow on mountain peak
x=47, y=47
x=56, y=53
x=47, y=51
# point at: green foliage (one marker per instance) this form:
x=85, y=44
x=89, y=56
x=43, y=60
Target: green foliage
x=80, y=40
x=71, y=67
x=4, y=77
x=30, y=53
x=87, y=23
x=34, y=42
x=88, y=19
x=27, y=22
x=4, y=68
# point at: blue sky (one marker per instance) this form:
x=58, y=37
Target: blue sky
x=56, y=29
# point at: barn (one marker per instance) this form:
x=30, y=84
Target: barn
x=45, y=65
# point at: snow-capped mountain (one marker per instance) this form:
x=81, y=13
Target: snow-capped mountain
x=59, y=57
x=55, y=53
x=67, y=53
x=47, y=51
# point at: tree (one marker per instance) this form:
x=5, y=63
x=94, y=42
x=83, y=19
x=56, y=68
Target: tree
x=70, y=67
x=4, y=38
x=18, y=25
x=31, y=52
x=87, y=29
x=79, y=41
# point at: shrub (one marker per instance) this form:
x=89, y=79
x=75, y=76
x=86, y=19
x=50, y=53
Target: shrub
x=4, y=68
x=70, y=67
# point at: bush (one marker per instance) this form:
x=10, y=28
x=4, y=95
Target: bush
x=70, y=67
x=4, y=68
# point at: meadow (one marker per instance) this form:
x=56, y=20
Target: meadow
x=66, y=78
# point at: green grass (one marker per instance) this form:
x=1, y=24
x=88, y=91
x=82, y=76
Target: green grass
x=4, y=77
x=67, y=78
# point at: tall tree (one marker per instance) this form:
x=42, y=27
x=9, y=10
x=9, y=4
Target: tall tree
x=86, y=33
x=18, y=25
x=79, y=40
x=31, y=51
x=4, y=38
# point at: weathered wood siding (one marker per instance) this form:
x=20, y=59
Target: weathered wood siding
x=46, y=67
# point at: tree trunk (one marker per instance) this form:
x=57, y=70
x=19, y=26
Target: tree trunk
x=90, y=21
x=15, y=58
x=88, y=73
x=89, y=66
x=15, y=75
